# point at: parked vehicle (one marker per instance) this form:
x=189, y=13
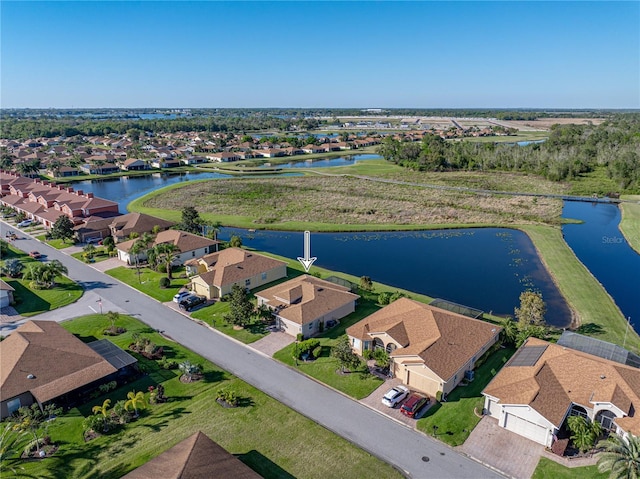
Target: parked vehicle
x=24, y=223
x=192, y=301
x=394, y=396
x=180, y=296
x=35, y=254
x=414, y=404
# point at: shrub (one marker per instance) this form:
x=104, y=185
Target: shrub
x=166, y=363
x=317, y=351
x=165, y=282
x=299, y=337
x=367, y=354
x=383, y=298
x=228, y=396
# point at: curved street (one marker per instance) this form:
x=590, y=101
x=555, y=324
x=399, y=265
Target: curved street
x=414, y=453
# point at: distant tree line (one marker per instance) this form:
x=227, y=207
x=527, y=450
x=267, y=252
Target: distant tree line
x=570, y=151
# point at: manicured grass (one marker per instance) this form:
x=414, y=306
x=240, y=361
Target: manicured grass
x=455, y=419
x=548, y=469
x=213, y=315
x=100, y=254
x=266, y=435
x=29, y=301
x=55, y=243
x=630, y=224
x=598, y=314
x=148, y=282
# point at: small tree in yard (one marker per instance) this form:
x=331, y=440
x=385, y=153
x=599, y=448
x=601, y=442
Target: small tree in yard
x=235, y=241
x=240, y=307
x=32, y=419
x=12, y=442
x=584, y=433
x=13, y=268
x=191, y=221
x=344, y=354
x=63, y=228
x=366, y=284
x=532, y=309
x=135, y=401
x=109, y=244
x=621, y=457
x=89, y=251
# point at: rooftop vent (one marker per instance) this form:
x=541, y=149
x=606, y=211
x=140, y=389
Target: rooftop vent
x=30, y=376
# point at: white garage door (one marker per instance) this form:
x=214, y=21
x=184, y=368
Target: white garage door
x=494, y=409
x=526, y=428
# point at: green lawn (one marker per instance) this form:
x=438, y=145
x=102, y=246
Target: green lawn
x=455, y=418
x=55, y=243
x=100, y=254
x=213, y=315
x=29, y=301
x=548, y=469
x=148, y=282
x=269, y=437
x=630, y=223
x=599, y=316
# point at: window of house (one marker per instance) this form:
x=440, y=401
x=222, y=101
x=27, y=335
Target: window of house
x=13, y=405
x=264, y=276
x=247, y=282
x=193, y=254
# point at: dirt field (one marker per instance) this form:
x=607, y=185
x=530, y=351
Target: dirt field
x=545, y=123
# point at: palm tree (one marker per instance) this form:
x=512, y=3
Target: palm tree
x=12, y=442
x=104, y=410
x=584, y=433
x=167, y=254
x=137, y=248
x=621, y=457
x=135, y=400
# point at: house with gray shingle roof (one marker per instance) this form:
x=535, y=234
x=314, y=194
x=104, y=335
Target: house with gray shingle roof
x=430, y=348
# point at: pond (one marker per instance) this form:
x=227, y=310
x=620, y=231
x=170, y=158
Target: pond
x=601, y=247
x=485, y=268
x=324, y=163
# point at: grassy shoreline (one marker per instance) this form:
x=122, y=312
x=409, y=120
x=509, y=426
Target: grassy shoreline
x=630, y=222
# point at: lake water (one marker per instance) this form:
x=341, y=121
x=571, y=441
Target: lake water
x=324, y=163
x=485, y=268
x=601, y=247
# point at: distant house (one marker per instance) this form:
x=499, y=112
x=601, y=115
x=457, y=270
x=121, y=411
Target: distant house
x=134, y=164
x=93, y=228
x=6, y=294
x=165, y=163
x=545, y=383
x=189, y=246
x=305, y=304
x=223, y=157
x=41, y=362
x=104, y=169
x=62, y=172
x=217, y=273
x=122, y=226
x=431, y=349
x=196, y=457
x=194, y=160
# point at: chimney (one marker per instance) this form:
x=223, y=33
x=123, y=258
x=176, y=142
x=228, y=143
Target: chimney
x=46, y=183
x=89, y=195
x=37, y=180
x=79, y=192
x=61, y=187
x=70, y=190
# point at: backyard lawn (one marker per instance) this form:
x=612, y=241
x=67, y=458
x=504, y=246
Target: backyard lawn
x=269, y=437
x=455, y=418
x=29, y=301
x=548, y=469
x=148, y=282
x=55, y=243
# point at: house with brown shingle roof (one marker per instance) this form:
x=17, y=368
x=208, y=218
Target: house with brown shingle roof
x=219, y=272
x=41, y=362
x=196, y=457
x=305, y=304
x=189, y=246
x=140, y=223
x=545, y=383
x=431, y=348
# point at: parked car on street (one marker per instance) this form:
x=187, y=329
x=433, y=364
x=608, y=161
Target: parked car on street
x=414, y=404
x=192, y=301
x=394, y=396
x=35, y=254
x=180, y=296
x=24, y=223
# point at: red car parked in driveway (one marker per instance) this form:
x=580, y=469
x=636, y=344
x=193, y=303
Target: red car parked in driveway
x=414, y=404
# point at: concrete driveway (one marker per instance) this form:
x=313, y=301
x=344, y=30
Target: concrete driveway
x=509, y=453
x=272, y=342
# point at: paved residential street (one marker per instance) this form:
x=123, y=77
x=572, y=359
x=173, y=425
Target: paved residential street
x=414, y=453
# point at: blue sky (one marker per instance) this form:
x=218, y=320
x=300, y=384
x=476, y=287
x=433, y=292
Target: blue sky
x=320, y=54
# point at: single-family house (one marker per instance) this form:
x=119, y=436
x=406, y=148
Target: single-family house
x=165, y=162
x=306, y=303
x=6, y=294
x=134, y=164
x=223, y=156
x=189, y=246
x=194, y=160
x=544, y=383
x=42, y=362
x=217, y=273
x=431, y=349
x=99, y=169
x=196, y=457
x=122, y=226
